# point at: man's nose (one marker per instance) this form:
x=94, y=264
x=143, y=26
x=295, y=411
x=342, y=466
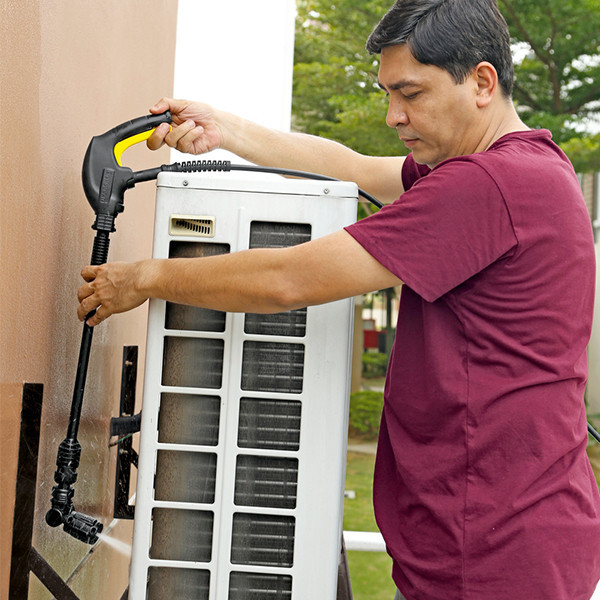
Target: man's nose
x=396, y=115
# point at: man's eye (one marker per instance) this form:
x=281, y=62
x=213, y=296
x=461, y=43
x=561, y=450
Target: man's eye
x=411, y=96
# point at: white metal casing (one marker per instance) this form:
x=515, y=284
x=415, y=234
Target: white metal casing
x=312, y=513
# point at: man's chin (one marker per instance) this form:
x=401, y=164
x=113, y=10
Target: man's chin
x=420, y=159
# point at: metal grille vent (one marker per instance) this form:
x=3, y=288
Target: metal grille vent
x=273, y=367
x=255, y=586
x=189, y=419
x=266, y=540
x=182, y=534
x=192, y=225
x=193, y=362
x=269, y=234
x=192, y=318
x=185, y=476
x=291, y=323
x=267, y=481
x=177, y=584
x=269, y=424
x=266, y=234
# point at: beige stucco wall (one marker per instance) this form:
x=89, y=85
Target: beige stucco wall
x=69, y=70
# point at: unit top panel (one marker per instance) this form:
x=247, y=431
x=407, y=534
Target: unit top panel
x=258, y=183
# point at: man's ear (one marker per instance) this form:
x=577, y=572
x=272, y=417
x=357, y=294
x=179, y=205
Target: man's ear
x=486, y=80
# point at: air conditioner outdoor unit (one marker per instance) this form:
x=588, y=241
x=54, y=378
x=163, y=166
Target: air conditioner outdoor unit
x=244, y=421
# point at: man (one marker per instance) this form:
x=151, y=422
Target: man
x=482, y=490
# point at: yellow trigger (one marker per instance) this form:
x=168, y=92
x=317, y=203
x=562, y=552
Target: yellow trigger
x=121, y=146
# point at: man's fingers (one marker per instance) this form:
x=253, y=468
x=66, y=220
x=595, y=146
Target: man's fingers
x=90, y=304
x=159, y=135
x=175, y=106
x=100, y=315
x=181, y=136
x=157, y=139
x=161, y=106
x=84, y=291
x=177, y=133
x=89, y=273
x=110, y=290
x=86, y=306
x=188, y=141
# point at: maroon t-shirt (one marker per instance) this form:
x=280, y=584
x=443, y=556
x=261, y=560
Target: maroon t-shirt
x=483, y=489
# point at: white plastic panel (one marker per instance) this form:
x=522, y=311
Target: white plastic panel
x=244, y=420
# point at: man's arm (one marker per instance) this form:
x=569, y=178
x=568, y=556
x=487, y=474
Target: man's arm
x=259, y=280
x=198, y=128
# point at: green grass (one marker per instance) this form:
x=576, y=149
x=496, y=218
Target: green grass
x=593, y=451
x=370, y=572
x=593, y=448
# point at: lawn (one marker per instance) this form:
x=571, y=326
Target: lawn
x=594, y=455
x=593, y=448
x=370, y=572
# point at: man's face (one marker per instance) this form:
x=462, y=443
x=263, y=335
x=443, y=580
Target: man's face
x=435, y=117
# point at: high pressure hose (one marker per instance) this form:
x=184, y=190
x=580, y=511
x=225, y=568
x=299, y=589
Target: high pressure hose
x=196, y=166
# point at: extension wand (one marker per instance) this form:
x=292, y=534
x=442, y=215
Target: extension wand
x=105, y=181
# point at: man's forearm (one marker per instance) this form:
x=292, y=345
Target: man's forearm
x=258, y=280
x=248, y=281
x=380, y=176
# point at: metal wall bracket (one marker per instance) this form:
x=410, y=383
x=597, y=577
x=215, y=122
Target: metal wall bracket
x=127, y=423
x=25, y=559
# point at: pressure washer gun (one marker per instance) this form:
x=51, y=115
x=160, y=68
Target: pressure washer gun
x=105, y=181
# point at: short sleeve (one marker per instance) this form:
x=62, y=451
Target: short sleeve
x=449, y=226
x=412, y=172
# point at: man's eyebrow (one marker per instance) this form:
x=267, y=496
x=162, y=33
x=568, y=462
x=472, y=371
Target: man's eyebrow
x=398, y=85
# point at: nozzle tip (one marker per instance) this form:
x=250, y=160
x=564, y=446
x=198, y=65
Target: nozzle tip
x=83, y=527
x=54, y=517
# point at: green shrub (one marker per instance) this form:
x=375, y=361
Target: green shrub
x=374, y=364
x=365, y=413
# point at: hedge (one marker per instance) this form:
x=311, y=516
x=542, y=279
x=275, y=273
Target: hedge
x=374, y=364
x=365, y=413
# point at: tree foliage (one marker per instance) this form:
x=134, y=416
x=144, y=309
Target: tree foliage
x=557, y=74
x=584, y=153
x=335, y=79
x=557, y=83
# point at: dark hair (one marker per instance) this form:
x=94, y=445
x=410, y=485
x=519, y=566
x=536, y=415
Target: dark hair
x=455, y=35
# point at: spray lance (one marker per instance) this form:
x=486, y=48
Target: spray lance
x=105, y=181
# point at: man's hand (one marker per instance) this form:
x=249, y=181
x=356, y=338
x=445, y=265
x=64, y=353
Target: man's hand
x=111, y=288
x=195, y=129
